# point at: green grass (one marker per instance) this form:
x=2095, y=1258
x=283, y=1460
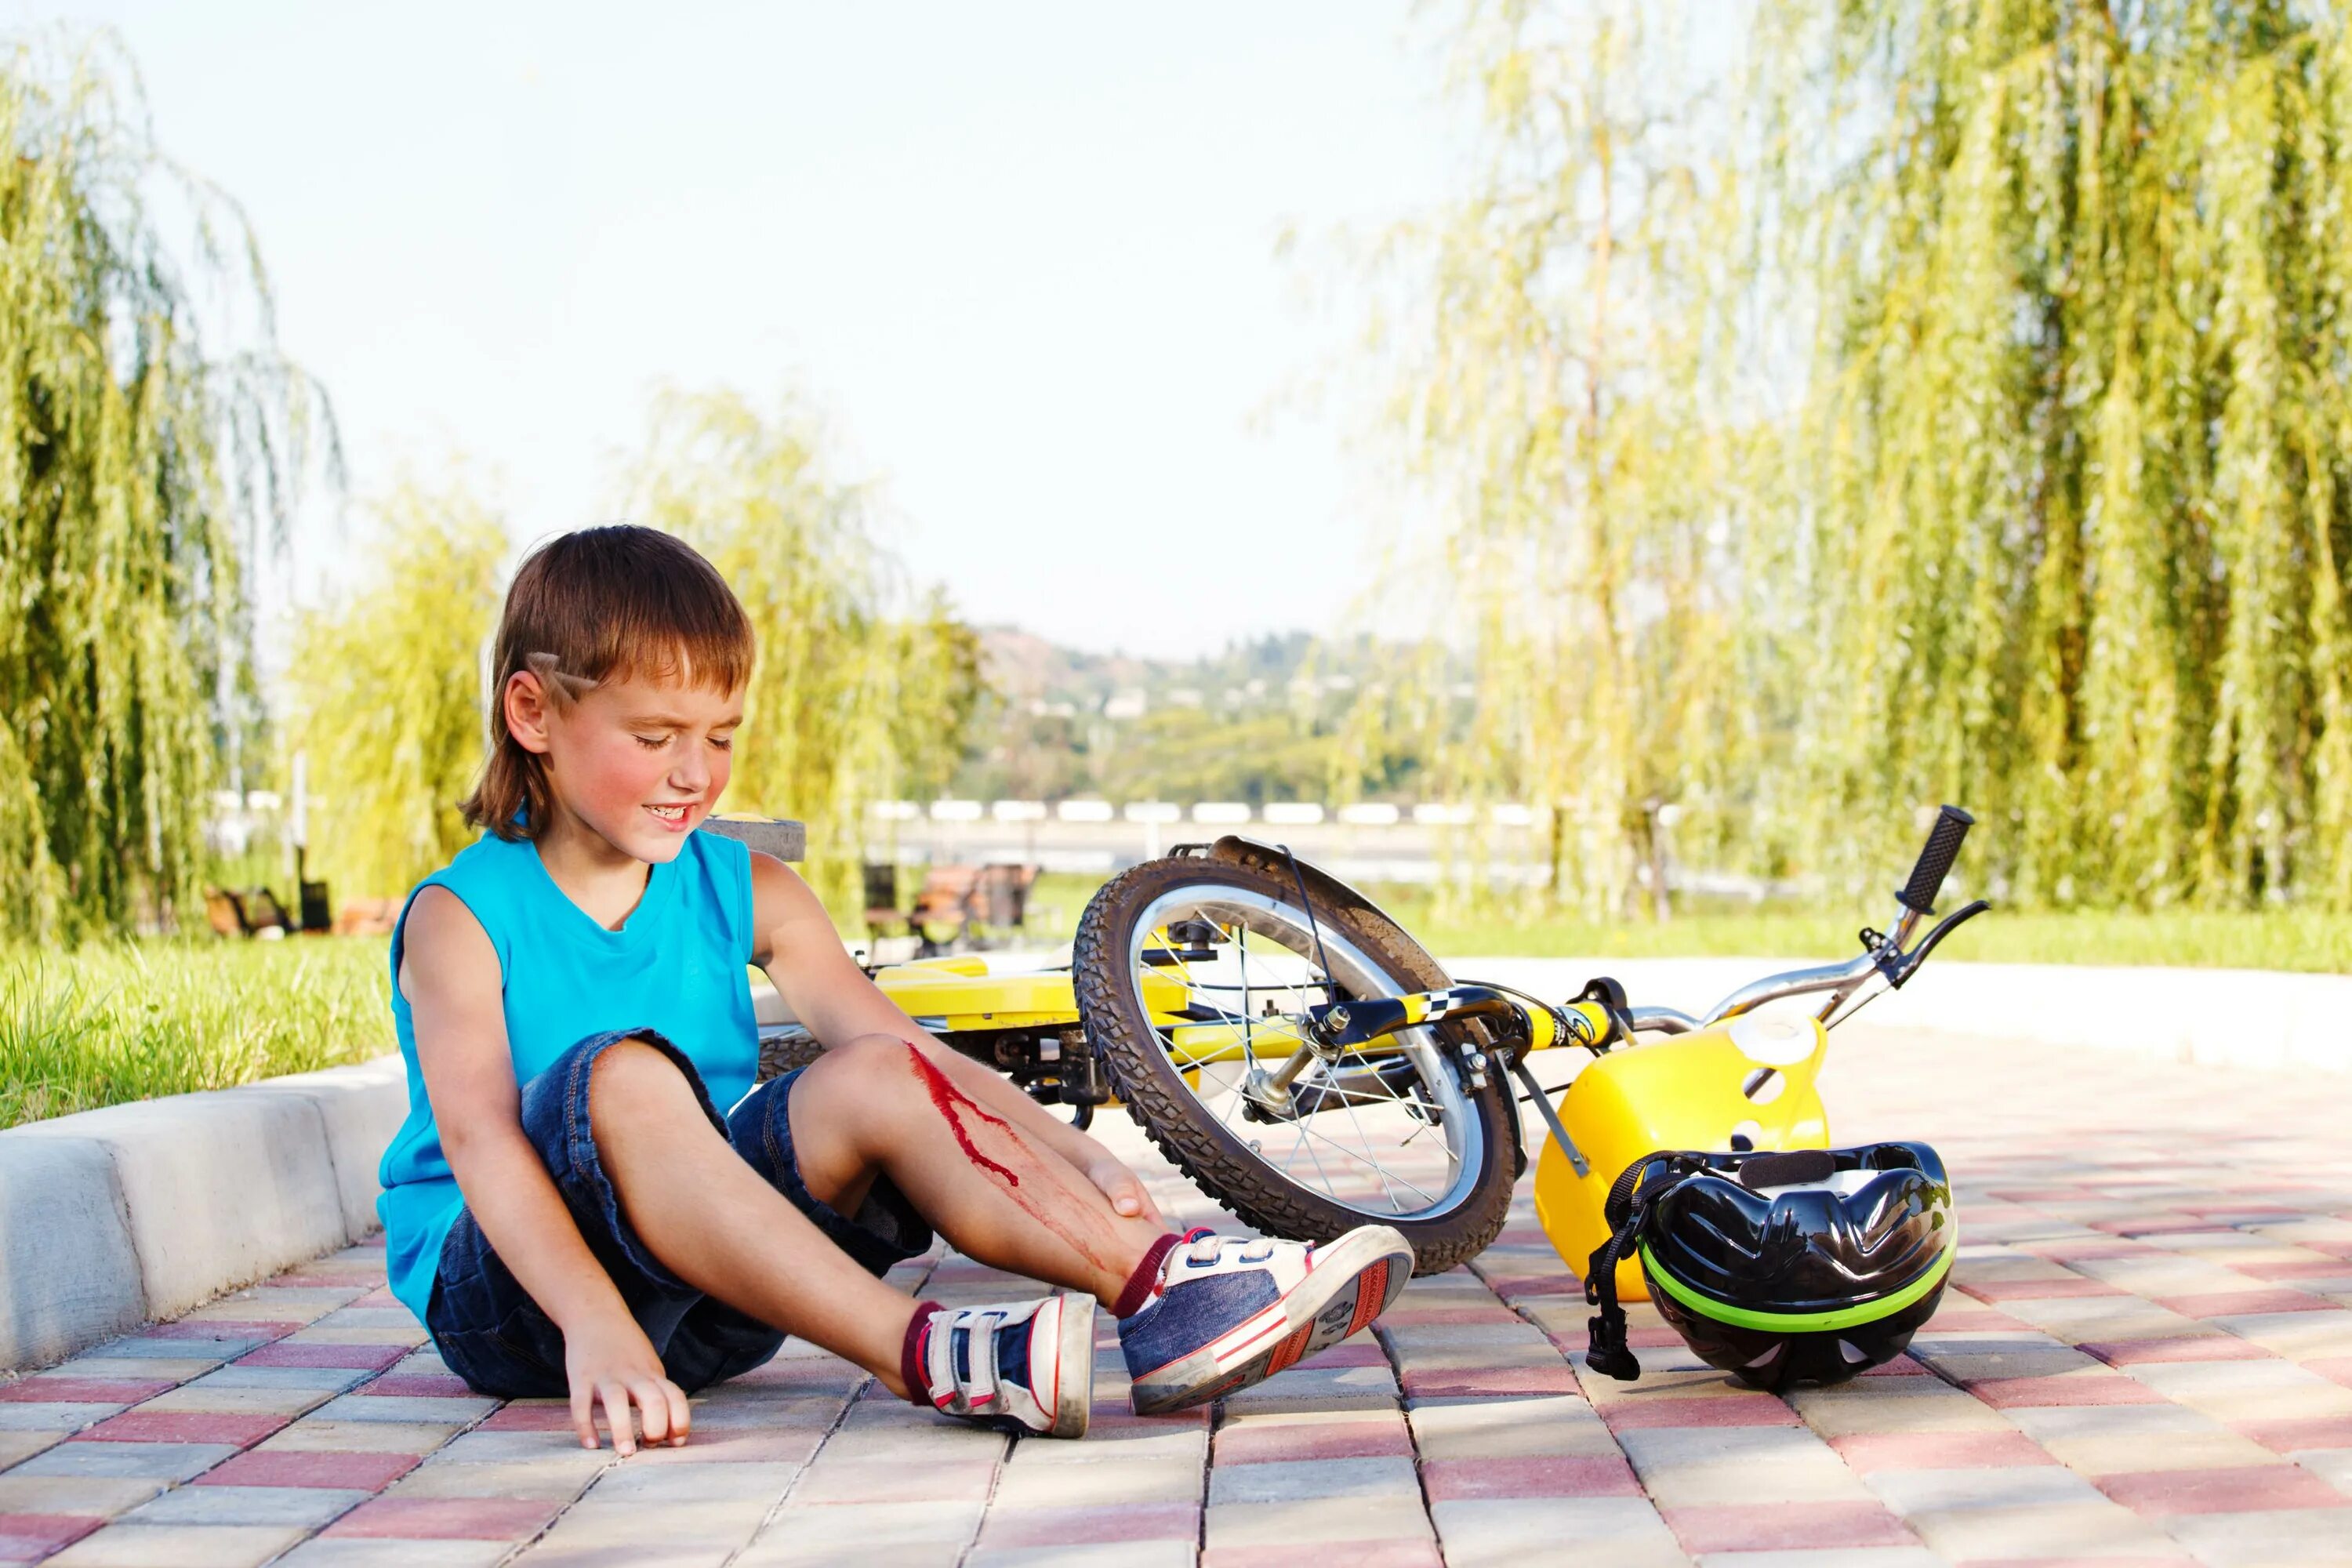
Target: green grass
x=2268, y=938
x=131, y=1021
x=2292, y=940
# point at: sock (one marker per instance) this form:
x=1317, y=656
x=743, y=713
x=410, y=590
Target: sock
x=1138, y=1289
x=910, y=1354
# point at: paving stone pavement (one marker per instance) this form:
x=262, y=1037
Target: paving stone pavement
x=2148, y=1358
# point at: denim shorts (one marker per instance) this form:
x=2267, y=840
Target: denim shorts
x=492, y=1334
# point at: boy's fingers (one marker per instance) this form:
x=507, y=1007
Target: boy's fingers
x=681, y=1413
x=616, y=1416
x=583, y=1414
x=653, y=1410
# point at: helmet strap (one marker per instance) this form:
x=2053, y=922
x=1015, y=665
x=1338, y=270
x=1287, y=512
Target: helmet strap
x=1627, y=1212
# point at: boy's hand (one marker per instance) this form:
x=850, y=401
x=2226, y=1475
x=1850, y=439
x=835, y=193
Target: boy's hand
x=611, y=1359
x=1122, y=1187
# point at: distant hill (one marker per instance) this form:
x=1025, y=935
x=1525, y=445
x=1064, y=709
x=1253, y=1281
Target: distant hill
x=1255, y=722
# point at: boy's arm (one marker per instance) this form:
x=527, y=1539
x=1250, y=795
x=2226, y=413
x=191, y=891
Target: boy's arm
x=450, y=973
x=796, y=944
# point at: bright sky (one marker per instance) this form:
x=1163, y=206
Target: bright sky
x=1024, y=254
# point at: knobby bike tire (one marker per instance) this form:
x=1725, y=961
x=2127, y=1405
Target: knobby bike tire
x=1221, y=1164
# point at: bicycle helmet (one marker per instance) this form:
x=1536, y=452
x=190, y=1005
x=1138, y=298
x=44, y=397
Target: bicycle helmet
x=1809, y=1265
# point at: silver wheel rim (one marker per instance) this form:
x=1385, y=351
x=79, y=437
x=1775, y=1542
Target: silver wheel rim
x=1364, y=1151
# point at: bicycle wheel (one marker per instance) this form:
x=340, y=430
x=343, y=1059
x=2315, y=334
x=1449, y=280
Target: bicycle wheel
x=1193, y=976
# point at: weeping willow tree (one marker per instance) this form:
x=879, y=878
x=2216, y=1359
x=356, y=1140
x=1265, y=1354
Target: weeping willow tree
x=857, y=695
x=2077, y=439
x=138, y=475
x=387, y=690
x=1956, y=405
x=1558, y=367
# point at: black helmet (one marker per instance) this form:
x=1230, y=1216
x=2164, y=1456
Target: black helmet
x=1809, y=1265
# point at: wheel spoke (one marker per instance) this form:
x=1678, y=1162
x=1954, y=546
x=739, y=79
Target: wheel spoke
x=1391, y=1095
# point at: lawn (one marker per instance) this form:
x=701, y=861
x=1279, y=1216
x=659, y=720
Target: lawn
x=2267, y=939
x=129, y=1021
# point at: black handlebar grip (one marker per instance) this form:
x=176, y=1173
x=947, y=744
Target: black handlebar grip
x=1952, y=825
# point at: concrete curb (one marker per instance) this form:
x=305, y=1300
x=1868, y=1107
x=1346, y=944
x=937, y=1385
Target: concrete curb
x=110, y=1218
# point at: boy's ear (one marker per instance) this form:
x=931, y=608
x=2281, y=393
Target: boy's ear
x=526, y=707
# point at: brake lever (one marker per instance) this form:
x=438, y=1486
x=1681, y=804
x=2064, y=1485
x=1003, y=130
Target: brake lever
x=1910, y=962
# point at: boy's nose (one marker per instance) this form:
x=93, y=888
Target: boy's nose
x=692, y=774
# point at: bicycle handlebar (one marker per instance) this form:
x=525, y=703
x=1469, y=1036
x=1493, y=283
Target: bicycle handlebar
x=1887, y=957
x=1943, y=847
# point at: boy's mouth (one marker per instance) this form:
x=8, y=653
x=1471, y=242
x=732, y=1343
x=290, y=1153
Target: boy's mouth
x=674, y=817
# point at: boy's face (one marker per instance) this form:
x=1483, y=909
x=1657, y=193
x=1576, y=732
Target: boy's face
x=639, y=760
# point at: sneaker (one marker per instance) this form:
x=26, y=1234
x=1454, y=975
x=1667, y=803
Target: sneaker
x=1024, y=1368
x=1231, y=1310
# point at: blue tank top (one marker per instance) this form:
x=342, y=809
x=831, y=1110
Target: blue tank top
x=678, y=965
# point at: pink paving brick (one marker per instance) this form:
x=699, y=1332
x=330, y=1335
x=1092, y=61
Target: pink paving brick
x=1786, y=1527
x=2153, y=1224
x=529, y=1418
x=2073, y=1388
x=2291, y=1434
x=222, y=1329
x=1529, y=1476
x=1266, y=1442
x=1698, y=1410
x=362, y=1358
x=1355, y=1352
x=83, y=1390
x=419, y=1385
x=1091, y=1526
x=365, y=1473
x=444, y=1518
x=2185, y=1347
x=1866, y=1451
x=2229, y=1303
x=33, y=1536
x=2336, y=1369
x=1462, y=1382
x=1901, y=1366
x=2317, y=1268
x=1108, y=1419
x=1514, y=1285
x=2238, y=1489
x=2038, y=1290
x=1353, y=1553
x=2076, y=1247
x=185, y=1426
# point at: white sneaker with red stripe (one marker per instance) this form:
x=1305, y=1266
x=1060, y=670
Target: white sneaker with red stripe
x=1024, y=1368
x=1231, y=1310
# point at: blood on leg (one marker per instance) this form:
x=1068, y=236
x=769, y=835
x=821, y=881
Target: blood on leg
x=953, y=1106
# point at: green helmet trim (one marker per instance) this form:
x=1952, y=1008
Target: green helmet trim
x=1802, y=1322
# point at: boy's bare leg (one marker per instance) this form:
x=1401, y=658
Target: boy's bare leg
x=715, y=1224
x=877, y=1104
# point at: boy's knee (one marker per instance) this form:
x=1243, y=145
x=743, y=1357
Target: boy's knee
x=634, y=1078
x=876, y=1073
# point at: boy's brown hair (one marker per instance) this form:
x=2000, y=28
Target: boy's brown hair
x=602, y=604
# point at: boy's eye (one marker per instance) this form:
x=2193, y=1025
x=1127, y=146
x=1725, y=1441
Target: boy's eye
x=651, y=742
x=723, y=743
